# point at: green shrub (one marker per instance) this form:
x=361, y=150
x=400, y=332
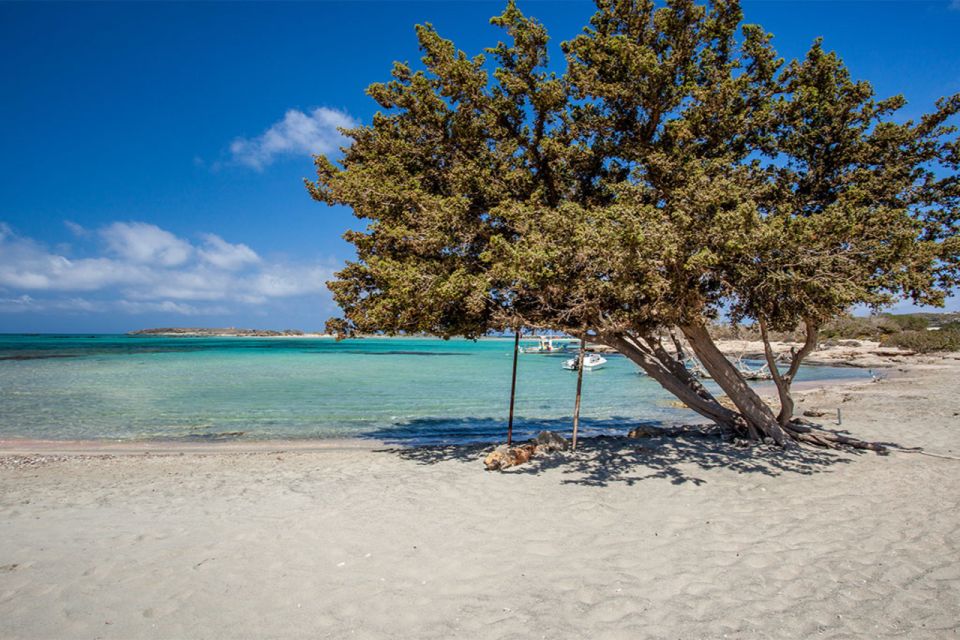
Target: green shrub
x=909, y=321
x=850, y=327
x=946, y=339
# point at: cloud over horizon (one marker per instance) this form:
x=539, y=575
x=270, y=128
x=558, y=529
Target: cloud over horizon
x=301, y=133
x=137, y=267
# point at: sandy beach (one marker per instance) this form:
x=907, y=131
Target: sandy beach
x=653, y=538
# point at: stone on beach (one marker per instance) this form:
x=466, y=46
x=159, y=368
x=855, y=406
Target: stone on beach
x=506, y=456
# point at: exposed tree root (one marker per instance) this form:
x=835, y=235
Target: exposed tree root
x=819, y=437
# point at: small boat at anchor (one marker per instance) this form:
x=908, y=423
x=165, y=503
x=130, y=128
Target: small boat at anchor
x=590, y=361
x=547, y=344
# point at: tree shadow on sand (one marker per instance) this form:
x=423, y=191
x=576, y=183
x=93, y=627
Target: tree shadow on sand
x=604, y=459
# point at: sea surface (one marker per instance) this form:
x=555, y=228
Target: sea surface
x=400, y=390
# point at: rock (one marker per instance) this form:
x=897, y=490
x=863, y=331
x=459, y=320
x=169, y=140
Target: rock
x=814, y=413
x=644, y=432
x=506, y=456
x=548, y=442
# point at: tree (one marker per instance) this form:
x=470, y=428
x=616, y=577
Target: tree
x=676, y=171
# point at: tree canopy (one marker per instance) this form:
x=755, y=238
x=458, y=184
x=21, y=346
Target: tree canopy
x=677, y=171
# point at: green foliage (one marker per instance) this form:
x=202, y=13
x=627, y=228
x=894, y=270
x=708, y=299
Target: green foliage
x=926, y=341
x=843, y=327
x=872, y=328
x=910, y=321
x=678, y=169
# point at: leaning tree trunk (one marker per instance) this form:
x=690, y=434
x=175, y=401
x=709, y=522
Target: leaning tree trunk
x=692, y=395
x=753, y=418
x=760, y=419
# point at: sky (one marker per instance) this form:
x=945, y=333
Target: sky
x=152, y=155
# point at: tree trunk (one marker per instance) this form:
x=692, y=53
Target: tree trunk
x=784, y=381
x=759, y=417
x=755, y=416
x=707, y=407
x=676, y=366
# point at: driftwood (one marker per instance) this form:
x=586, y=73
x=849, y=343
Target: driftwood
x=806, y=432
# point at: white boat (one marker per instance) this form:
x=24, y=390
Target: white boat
x=547, y=344
x=590, y=361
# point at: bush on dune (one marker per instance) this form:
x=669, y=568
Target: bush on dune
x=947, y=338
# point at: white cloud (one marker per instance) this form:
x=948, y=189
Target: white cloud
x=27, y=265
x=224, y=255
x=146, y=243
x=168, y=306
x=280, y=282
x=76, y=229
x=27, y=303
x=149, y=269
x=14, y=305
x=297, y=133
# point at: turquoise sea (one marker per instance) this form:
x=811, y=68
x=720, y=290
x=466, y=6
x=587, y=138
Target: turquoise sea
x=404, y=390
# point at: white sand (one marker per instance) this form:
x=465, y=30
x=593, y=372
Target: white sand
x=654, y=539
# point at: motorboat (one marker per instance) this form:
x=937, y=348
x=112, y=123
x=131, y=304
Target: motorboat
x=591, y=361
x=547, y=344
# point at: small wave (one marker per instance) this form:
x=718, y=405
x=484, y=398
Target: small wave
x=208, y=437
x=39, y=356
x=398, y=353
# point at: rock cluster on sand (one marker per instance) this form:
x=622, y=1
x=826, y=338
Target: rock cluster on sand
x=506, y=456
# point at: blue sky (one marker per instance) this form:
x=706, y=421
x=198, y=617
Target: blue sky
x=152, y=154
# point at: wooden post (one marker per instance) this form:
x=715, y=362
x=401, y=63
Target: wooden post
x=576, y=406
x=513, y=385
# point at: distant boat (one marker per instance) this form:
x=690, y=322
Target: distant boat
x=590, y=361
x=547, y=344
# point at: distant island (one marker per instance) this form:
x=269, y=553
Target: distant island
x=198, y=332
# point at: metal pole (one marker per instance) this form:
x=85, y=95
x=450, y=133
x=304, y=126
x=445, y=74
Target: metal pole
x=576, y=406
x=513, y=385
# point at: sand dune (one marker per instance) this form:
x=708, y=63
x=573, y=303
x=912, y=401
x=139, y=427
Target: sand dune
x=678, y=538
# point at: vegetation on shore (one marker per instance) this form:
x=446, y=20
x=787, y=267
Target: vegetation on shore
x=884, y=328
x=678, y=170
x=214, y=332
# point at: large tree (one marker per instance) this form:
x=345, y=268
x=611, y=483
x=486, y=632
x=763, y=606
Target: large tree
x=675, y=172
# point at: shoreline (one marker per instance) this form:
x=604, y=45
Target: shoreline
x=37, y=447
x=30, y=446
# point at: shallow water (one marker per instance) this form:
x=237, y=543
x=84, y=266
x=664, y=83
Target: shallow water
x=409, y=390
